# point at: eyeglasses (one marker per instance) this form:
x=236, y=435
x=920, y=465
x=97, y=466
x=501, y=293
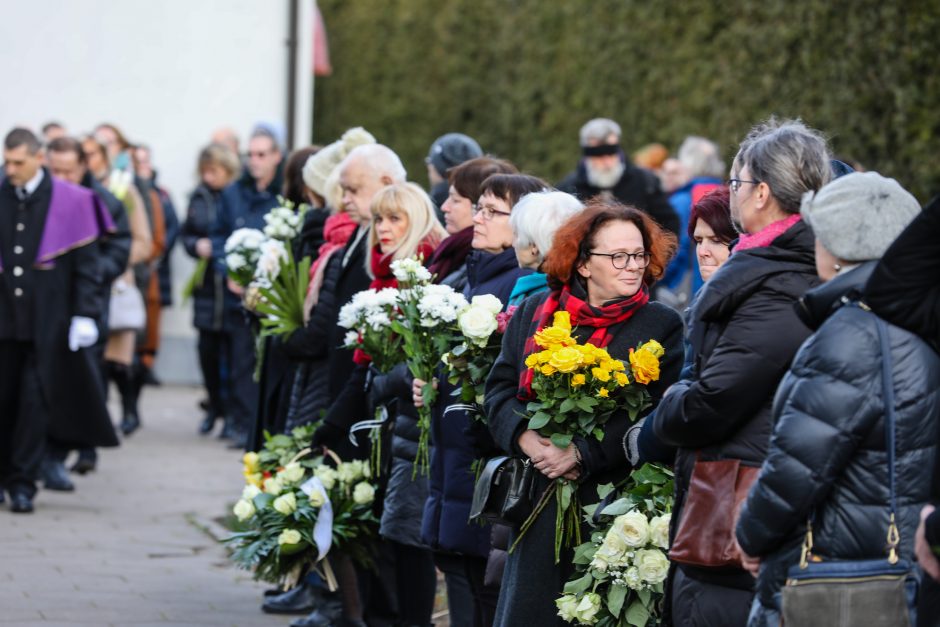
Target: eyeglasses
x=488, y=212
x=259, y=154
x=735, y=184
x=620, y=260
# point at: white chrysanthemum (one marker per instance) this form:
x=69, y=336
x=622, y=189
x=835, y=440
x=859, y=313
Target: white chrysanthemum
x=410, y=271
x=351, y=340
x=235, y=261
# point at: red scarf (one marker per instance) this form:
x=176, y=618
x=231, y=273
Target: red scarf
x=766, y=235
x=582, y=315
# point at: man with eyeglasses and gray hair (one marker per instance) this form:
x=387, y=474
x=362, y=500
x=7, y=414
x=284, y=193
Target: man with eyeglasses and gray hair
x=605, y=171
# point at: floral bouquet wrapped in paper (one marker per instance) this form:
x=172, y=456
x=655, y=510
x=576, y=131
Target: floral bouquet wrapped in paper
x=427, y=315
x=577, y=387
x=480, y=330
x=298, y=512
x=620, y=571
x=368, y=316
x=242, y=251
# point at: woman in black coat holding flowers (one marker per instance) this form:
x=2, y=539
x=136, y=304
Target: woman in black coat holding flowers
x=600, y=267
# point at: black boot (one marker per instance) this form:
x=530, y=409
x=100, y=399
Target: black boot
x=54, y=475
x=208, y=423
x=87, y=461
x=127, y=383
x=301, y=600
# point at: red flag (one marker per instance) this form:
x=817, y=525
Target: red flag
x=321, y=49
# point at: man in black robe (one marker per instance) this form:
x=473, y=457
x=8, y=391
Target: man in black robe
x=50, y=295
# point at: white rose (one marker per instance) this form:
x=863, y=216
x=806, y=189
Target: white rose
x=653, y=565
x=612, y=552
x=327, y=477
x=347, y=472
x=289, y=536
x=567, y=606
x=633, y=527
x=633, y=579
x=488, y=302
x=250, y=492
x=317, y=499
x=477, y=323
x=286, y=504
x=244, y=510
x=588, y=607
x=291, y=473
x=272, y=486
x=363, y=493
x=659, y=531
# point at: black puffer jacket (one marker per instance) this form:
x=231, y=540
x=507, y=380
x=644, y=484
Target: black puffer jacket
x=744, y=333
x=828, y=450
x=208, y=297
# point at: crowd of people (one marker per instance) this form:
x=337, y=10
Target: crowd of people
x=765, y=283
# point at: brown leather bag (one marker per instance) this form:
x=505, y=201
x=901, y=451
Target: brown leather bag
x=705, y=536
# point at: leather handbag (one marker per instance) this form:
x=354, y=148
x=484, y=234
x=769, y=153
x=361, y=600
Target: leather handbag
x=126, y=310
x=705, y=535
x=860, y=593
x=504, y=492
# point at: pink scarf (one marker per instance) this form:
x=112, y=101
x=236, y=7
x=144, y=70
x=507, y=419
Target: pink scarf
x=766, y=235
x=337, y=230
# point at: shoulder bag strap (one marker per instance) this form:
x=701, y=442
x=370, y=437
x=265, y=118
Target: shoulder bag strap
x=890, y=435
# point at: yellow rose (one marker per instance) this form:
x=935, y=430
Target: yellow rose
x=645, y=366
x=587, y=354
x=613, y=364
x=554, y=337
x=654, y=347
x=577, y=380
x=562, y=320
x=622, y=378
x=254, y=478
x=548, y=370
x=532, y=360
x=251, y=461
x=600, y=374
x=566, y=359
x=603, y=393
x=544, y=356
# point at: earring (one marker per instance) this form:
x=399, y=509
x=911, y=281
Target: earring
x=837, y=266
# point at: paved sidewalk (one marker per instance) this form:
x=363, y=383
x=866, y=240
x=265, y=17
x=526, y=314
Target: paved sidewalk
x=126, y=548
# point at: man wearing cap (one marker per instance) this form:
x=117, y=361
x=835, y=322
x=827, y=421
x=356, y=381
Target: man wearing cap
x=446, y=152
x=605, y=171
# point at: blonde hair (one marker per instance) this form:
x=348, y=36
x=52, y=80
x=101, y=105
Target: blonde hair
x=423, y=226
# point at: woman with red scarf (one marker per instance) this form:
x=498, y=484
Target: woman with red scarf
x=600, y=267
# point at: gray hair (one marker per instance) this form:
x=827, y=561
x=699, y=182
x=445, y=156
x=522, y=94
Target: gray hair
x=536, y=217
x=789, y=157
x=598, y=130
x=379, y=160
x=701, y=157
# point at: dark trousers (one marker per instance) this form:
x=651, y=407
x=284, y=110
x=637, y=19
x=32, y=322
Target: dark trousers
x=213, y=355
x=459, y=596
x=24, y=417
x=485, y=597
x=415, y=582
x=243, y=400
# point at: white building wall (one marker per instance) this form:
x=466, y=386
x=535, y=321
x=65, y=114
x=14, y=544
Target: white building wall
x=166, y=73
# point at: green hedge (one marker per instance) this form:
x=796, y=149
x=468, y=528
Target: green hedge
x=521, y=76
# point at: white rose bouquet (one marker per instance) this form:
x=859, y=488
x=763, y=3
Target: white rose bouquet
x=242, y=251
x=280, y=532
x=620, y=571
x=427, y=317
x=368, y=316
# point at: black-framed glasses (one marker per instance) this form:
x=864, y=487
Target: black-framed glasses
x=488, y=212
x=735, y=184
x=620, y=260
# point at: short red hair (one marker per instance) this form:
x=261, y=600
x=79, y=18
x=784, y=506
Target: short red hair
x=575, y=239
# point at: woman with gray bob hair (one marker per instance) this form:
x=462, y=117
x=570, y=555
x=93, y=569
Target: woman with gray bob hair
x=534, y=221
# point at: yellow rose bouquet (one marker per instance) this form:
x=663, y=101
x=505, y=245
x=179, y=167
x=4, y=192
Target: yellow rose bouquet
x=577, y=388
x=619, y=572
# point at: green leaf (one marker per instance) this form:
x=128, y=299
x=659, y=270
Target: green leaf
x=539, y=420
x=618, y=507
x=637, y=614
x=579, y=586
x=644, y=596
x=568, y=405
x=561, y=440
x=604, y=489
x=615, y=598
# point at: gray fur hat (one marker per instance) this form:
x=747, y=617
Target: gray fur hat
x=857, y=216
x=451, y=150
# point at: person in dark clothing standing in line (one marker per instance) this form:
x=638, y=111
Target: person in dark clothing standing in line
x=605, y=171
x=217, y=168
x=448, y=151
x=243, y=204
x=67, y=161
x=50, y=297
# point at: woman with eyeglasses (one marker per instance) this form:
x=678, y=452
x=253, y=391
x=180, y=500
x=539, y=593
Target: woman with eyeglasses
x=744, y=332
x=600, y=267
x=492, y=268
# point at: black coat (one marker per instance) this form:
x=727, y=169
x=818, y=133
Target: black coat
x=744, y=333
x=637, y=187
x=208, y=296
x=114, y=248
x=532, y=580
x=828, y=453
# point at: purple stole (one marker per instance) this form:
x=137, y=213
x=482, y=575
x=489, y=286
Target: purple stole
x=76, y=217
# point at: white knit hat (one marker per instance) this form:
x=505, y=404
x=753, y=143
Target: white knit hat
x=857, y=216
x=320, y=165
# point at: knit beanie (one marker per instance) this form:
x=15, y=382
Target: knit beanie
x=321, y=164
x=857, y=216
x=451, y=150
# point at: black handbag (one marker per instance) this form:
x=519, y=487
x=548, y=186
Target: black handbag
x=860, y=593
x=504, y=492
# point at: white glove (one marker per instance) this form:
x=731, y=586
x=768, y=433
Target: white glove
x=82, y=333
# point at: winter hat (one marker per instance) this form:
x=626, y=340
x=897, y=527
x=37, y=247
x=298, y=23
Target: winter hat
x=452, y=149
x=857, y=216
x=321, y=164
